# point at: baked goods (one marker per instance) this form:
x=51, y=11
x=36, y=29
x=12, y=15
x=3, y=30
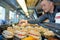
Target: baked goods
x=7, y=34
x=34, y=34
x=43, y=29
x=49, y=34
x=21, y=34
x=16, y=28
x=30, y=30
x=10, y=29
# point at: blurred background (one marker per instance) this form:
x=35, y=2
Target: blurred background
x=11, y=11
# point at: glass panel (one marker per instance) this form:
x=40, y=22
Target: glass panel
x=2, y=13
x=12, y=16
x=32, y=13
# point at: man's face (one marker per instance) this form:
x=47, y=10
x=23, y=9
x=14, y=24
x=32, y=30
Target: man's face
x=45, y=5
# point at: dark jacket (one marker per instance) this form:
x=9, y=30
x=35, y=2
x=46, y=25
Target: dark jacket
x=50, y=16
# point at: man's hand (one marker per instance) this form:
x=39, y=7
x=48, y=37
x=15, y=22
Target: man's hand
x=23, y=22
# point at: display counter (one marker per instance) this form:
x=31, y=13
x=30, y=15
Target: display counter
x=31, y=31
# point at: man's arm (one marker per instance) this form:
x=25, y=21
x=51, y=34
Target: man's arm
x=38, y=20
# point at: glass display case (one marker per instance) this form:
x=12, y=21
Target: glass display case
x=2, y=15
x=14, y=17
x=32, y=14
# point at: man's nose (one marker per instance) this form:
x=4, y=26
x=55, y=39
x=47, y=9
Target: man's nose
x=43, y=8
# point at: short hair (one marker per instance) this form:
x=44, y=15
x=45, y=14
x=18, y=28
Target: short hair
x=48, y=0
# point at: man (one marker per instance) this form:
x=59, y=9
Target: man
x=50, y=12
